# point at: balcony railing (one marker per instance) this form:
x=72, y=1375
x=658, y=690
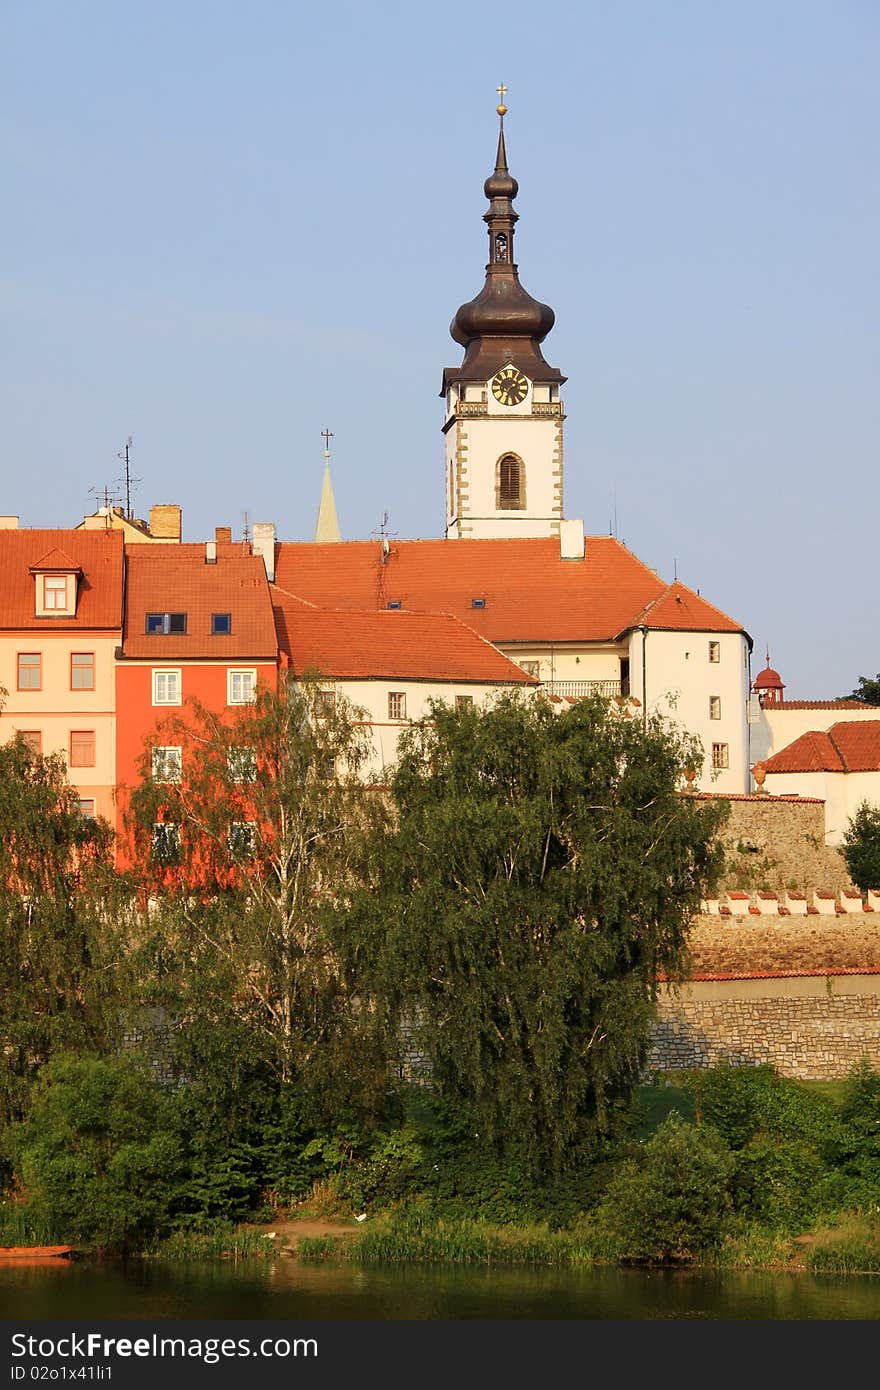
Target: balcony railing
x=546, y=407
x=471, y=408
x=581, y=690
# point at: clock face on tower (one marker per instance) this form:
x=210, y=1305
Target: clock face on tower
x=509, y=387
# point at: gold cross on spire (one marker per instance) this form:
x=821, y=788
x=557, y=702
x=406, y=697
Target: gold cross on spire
x=502, y=92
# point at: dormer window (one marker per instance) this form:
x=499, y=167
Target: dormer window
x=165, y=624
x=55, y=585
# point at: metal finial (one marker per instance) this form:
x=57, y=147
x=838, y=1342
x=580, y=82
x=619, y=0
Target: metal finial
x=501, y=108
x=326, y=435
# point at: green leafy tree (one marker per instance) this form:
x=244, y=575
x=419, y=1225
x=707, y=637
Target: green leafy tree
x=96, y=1156
x=60, y=948
x=263, y=823
x=673, y=1201
x=861, y=847
x=867, y=690
x=541, y=874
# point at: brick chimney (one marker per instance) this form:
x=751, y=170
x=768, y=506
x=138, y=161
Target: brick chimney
x=223, y=535
x=165, y=522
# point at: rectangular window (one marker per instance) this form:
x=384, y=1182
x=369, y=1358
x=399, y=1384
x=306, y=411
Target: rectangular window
x=87, y=806
x=714, y=706
x=241, y=764
x=327, y=769
x=165, y=624
x=241, y=687
x=463, y=702
x=532, y=668
x=326, y=701
x=33, y=739
x=30, y=671
x=221, y=624
x=55, y=593
x=396, y=704
x=720, y=756
x=243, y=838
x=714, y=652
x=166, y=687
x=82, y=670
x=82, y=748
x=166, y=842
x=167, y=764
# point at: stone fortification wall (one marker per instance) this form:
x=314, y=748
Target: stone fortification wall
x=778, y=842
x=799, y=992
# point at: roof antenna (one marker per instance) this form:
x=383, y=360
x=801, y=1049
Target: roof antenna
x=674, y=570
x=109, y=500
x=129, y=480
x=245, y=528
x=383, y=534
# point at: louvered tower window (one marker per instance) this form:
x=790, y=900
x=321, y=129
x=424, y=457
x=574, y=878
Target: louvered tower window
x=511, y=483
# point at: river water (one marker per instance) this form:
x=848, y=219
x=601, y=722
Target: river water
x=293, y=1289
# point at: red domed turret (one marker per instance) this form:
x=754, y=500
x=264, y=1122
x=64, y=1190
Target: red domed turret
x=768, y=685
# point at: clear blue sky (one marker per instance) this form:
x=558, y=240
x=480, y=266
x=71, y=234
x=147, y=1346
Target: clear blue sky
x=226, y=226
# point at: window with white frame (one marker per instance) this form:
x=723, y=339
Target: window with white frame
x=242, y=838
x=720, y=756
x=167, y=764
x=241, y=764
x=714, y=706
x=531, y=668
x=464, y=702
x=55, y=593
x=167, y=686
x=396, y=704
x=166, y=842
x=241, y=687
x=714, y=652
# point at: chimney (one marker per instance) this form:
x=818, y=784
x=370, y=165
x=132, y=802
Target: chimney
x=165, y=522
x=223, y=535
x=571, y=540
x=8, y=523
x=210, y=552
x=263, y=542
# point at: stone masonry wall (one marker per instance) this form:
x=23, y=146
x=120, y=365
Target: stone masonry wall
x=775, y=843
x=814, y=1038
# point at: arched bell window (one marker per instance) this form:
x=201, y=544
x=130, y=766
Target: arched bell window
x=501, y=248
x=510, y=484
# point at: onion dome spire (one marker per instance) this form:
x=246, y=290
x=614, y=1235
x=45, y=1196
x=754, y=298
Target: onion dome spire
x=503, y=323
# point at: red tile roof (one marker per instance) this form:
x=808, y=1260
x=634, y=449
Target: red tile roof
x=177, y=579
x=848, y=746
x=529, y=593
x=679, y=609
x=822, y=704
x=385, y=645
x=96, y=554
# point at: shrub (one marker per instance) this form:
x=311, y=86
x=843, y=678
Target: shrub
x=95, y=1154
x=673, y=1202
x=861, y=847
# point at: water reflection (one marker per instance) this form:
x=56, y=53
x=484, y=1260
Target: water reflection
x=287, y=1288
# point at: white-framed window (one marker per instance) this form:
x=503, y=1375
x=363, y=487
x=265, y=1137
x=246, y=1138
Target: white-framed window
x=242, y=838
x=55, y=593
x=714, y=652
x=241, y=687
x=720, y=756
x=464, y=702
x=167, y=686
x=166, y=842
x=531, y=668
x=396, y=704
x=714, y=706
x=241, y=764
x=167, y=764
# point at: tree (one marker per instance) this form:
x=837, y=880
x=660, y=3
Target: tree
x=861, y=847
x=60, y=953
x=246, y=848
x=867, y=690
x=541, y=875
x=96, y=1155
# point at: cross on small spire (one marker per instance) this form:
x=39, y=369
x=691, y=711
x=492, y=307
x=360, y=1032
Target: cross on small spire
x=502, y=92
x=326, y=435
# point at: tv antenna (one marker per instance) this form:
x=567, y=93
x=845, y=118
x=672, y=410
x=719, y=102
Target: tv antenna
x=384, y=535
x=125, y=454
x=245, y=527
x=105, y=499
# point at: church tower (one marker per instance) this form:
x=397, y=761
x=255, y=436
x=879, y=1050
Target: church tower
x=503, y=423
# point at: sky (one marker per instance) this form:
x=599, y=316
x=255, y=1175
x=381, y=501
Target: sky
x=226, y=228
